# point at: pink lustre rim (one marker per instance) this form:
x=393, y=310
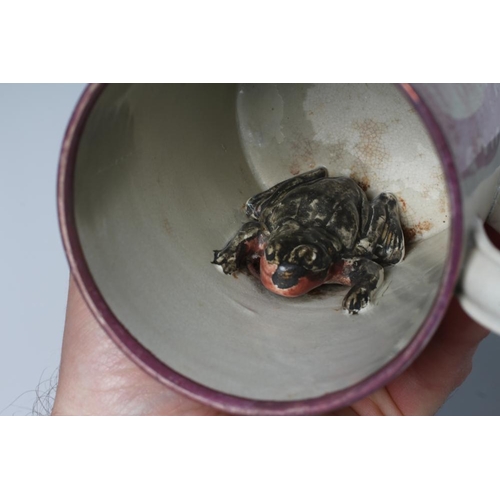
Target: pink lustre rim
x=226, y=402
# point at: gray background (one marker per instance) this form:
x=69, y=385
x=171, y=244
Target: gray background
x=34, y=277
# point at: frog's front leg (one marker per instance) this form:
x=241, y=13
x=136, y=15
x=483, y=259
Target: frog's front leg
x=363, y=275
x=243, y=245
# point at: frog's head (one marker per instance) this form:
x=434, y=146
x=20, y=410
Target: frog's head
x=294, y=263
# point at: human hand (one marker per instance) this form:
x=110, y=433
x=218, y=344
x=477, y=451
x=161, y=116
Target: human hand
x=96, y=378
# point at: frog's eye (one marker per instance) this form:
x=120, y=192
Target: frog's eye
x=305, y=253
x=270, y=252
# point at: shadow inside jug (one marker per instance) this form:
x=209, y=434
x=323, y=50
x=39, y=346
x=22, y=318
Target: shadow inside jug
x=161, y=176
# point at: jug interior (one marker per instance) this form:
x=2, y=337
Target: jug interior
x=162, y=175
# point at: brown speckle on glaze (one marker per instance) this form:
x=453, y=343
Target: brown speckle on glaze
x=419, y=229
x=362, y=181
x=294, y=169
x=402, y=204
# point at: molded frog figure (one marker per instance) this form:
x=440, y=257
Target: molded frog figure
x=314, y=229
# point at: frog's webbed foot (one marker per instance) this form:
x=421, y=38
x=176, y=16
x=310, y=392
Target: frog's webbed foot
x=382, y=238
x=243, y=245
x=357, y=299
x=364, y=276
x=256, y=204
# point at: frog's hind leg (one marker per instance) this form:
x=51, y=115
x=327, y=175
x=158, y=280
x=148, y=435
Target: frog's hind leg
x=239, y=248
x=256, y=204
x=382, y=237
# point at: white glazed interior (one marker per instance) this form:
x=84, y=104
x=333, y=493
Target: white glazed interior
x=162, y=174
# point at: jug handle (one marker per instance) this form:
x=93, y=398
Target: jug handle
x=479, y=288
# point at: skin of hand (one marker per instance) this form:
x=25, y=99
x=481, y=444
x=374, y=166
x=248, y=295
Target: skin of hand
x=97, y=378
